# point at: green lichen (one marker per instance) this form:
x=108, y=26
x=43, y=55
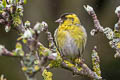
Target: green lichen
x=25, y=1
x=116, y=34
x=47, y=75
x=96, y=63
x=79, y=68
x=16, y=20
x=69, y=64
x=44, y=51
x=31, y=64
x=18, y=51
x=24, y=68
x=27, y=24
x=24, y=41
x=118, y=45
x=18, y=45
x=56, y=62
x=4, y=3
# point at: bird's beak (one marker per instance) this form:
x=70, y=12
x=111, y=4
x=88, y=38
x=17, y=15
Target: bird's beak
x=59, y=20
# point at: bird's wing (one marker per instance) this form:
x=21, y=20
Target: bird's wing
x=59, y=37
x=80, y=36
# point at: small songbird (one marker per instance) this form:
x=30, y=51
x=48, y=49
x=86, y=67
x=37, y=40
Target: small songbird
x=70, y=36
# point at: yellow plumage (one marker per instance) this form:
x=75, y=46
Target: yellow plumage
x=70, y=37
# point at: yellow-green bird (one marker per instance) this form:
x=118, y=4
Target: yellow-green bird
x=70, y=37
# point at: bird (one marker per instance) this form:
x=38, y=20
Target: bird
x=70, y=37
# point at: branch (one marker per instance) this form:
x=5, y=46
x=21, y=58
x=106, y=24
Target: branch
x=4, y=51
x=83, y=71
x=96, y=62
x=112, y=35
x=97, y=25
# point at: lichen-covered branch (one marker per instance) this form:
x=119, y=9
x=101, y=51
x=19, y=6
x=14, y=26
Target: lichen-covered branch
x=4, y=51
x=83, y=70
x=96, y=62
x=97, y=25
x=112, y=35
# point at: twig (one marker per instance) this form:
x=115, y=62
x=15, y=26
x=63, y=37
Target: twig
x=112, y=35
x=97, y=25
x=5, y=52
x=84, y=70
x=96, y=62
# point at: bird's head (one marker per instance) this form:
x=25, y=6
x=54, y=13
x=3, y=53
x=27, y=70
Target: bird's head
x=68, y=18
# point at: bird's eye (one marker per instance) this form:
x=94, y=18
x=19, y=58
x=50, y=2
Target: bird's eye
x=71, y=19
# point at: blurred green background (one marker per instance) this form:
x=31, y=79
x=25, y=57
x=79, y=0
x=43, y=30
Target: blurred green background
x=49, y=11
